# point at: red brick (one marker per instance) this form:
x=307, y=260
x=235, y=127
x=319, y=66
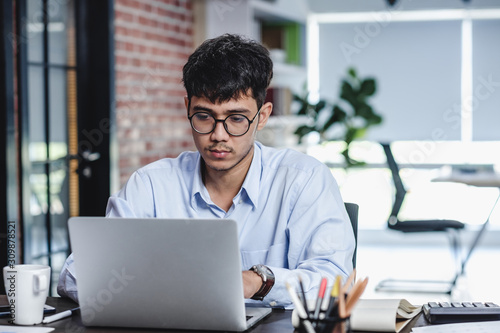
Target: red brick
x=123, y=16
x=152, y=44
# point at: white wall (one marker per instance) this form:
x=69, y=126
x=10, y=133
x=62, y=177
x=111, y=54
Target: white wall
x=335, y=6
x=486, y=78
x=418, y=67
x=403, y=57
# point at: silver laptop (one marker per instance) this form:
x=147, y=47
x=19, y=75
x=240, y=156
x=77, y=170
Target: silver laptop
x=160, y=273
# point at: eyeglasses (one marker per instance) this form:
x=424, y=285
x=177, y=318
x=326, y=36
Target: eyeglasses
x=235, y=124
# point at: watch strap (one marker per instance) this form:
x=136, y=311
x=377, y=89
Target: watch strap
x=267, y=277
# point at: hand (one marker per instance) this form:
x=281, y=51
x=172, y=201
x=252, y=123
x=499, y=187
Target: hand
x=251, y=283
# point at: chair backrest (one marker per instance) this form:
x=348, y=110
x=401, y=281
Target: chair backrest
x=398, y=183
x=352, y=210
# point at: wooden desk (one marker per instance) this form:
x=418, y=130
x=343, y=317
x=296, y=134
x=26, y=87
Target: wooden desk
x=279, y=321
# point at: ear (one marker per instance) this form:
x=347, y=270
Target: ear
x=265, y=112
x=186, y=103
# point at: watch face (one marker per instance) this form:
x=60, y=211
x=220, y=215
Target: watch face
x=267, y=276
x=266, y=270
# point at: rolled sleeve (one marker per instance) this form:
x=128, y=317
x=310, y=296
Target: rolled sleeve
x=66, y=286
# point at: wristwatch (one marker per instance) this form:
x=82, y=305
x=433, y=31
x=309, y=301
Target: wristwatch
x=267, y=277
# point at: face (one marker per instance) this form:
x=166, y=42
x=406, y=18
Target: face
x=220, y=150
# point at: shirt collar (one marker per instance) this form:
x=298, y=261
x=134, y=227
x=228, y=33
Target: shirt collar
x=251, y=184
x=198, y=189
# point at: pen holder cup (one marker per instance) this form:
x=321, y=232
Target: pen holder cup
x=326, y=325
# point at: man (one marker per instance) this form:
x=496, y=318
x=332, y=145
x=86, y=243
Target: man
x=290, y=214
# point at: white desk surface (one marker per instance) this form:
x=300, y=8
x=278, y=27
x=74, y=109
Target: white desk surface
x=478, y=178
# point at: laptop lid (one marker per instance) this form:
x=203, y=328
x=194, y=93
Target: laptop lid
x=159, y=273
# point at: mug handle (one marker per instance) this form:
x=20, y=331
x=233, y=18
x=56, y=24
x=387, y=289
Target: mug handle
x=39, y=283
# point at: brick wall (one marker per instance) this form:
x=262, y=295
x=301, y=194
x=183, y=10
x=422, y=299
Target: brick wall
x=153, y=40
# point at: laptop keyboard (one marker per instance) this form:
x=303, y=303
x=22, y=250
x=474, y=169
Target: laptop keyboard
x=453, y=312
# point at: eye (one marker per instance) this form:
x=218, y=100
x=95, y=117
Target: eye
x=237, y=118
x=202, y=116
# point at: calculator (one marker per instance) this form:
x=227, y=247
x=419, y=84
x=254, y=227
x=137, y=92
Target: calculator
x=458, y=312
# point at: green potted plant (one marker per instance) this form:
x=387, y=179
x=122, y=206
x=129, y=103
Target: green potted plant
x=353, y=117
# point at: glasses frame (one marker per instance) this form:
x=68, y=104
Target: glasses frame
x=223, y=121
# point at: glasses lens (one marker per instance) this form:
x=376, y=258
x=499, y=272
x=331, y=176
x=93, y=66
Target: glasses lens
x=203, y=122
x=237, y=124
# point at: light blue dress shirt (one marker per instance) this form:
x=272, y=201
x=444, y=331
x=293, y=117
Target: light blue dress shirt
x=289, y=211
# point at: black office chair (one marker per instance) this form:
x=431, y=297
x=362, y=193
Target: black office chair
x=450, y=227
x=352, y=210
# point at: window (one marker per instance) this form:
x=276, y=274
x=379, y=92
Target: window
x=49, y=130
x=436, y=70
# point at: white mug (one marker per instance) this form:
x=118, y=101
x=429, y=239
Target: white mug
x=26, y=287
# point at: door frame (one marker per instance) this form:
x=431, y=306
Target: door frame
x=96, y=111
x=8, y=152
x=96, y=114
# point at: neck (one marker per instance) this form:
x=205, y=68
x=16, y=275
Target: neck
x=223, y=185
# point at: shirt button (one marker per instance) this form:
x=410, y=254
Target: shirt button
x=273, y=303
x=241, y=201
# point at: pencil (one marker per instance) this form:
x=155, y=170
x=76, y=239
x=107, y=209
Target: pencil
x=342, y=294
x=354, y=295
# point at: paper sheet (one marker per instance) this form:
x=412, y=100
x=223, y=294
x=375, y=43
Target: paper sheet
x=382, y=315
x=24, y=329
x=475, y=327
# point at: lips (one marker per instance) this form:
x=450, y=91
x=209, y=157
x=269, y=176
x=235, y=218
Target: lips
x=218, y=150
x=219, y=153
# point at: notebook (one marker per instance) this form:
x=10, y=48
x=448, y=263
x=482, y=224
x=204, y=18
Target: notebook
x=160, y=273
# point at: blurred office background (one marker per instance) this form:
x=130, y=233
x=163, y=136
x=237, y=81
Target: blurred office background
x=91, y=90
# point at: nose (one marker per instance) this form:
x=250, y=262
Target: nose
x=219, y=133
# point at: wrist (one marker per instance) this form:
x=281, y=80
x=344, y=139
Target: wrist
x=267, y=281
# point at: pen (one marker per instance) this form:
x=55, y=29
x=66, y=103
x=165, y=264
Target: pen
x=333, y=307
x=300, y=309
x=321, y=295
x=58, y=316
x=304, y=299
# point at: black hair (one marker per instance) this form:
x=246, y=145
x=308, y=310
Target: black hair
x=227, y=67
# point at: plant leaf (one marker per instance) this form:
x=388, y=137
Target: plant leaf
x=363, y=110
x=374, y=119
x=337, y=115
x=352, y=72
x=299, y=99
x=320, y=106
x=368, y=87
x=303, y=130
x=350, y=134
x=347, y=92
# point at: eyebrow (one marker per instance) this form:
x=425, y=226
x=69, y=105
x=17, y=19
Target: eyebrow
x=206, y=109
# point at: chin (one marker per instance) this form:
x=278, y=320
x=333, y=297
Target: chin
x=219, y=166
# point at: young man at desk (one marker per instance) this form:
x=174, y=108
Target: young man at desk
x=288, y=207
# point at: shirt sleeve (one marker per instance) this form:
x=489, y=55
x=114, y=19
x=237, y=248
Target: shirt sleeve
x=321, y=239
x=66, y=286
x=133, y=200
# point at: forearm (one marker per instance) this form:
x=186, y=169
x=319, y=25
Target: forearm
x=310, y=274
